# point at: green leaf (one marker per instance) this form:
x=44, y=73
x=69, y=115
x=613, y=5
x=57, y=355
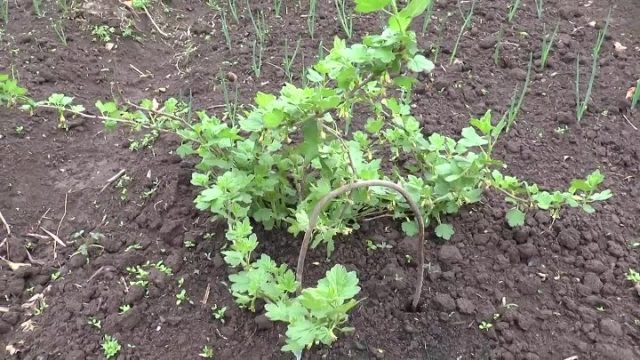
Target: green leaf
x=470, y=138
x=184, y=150
x=415, y=8
x=367, y=6
x=309, y=147
x=252, y=123
x=515, y=217
x=273, y=119
x=314, y=76
x=601, y=196
x=198, y=179
x=483, y=124
x=399, y=23
x=263, y=99
x=410, y=228
x=444, y=231
x=419, y=63
x=373, y=126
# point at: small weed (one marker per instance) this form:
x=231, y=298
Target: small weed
x=207, y=352
x=181, y=297
x=465, y=25
x=547, y=43
x=132, y=247
x=122, y=186
x=583, y=103
x=561, y=130
x=231, y=105
x=20, y=130
x=42, y=306
x=55, y=275
x=123, y=309
x=485, y=326
x=513, y=10
x=95, y=323
x=218, y=313
x=372, y=246
x=36, y=8
x=58, y=28
x=633, y=276
x=103, y=32
x=110, y=346
x=277, y=7
x=498, y=48
x=256, y=57
x=189, y=244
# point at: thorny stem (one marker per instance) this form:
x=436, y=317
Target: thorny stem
x=315, y=214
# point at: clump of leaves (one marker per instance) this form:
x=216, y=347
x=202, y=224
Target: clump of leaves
x=633, y=276
x=110, y=347
x=318, y=313
x=103, y=32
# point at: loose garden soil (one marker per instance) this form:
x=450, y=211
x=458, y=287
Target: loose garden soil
x=551, y=290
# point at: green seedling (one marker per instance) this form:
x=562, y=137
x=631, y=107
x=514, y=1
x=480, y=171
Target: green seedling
x=516, y=102
x=225, y=31
x=63, y=6
x=181, y=297
x=42, y=306
x=583, y=103
x=513, y=10
x=311, y=17
x=189, y=244
x=103, y=32
x=277, y=7
x=345, y=17
x=289, y=59
x=231, y=102
x=55, y=275
x=36, y=8
x=260, y=26
x=633, y=276
x=19, y=130
x=540, y=8
x=132, y=247
x=485, y=326
x=435, y=48
x=4, y=10
x=233, y=8
x=256, y=57
x=95, y=323
x=123, y=309
x=125, y=180
x=377, y=246
x=498, y=47
x=466, y=24
x=110, y=347
x=561, y=130
x=58, y=28
x=218, y=313
x=547, y=43
x=636, y=95
x=207, y=352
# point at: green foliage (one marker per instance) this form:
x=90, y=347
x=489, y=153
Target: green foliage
x=207, y=352
x=103, y=32
x=513, y=10
x=466, y=23
x=633, y=276
x=634, y=97
x=318, y=313
x=110, y=347
x=547, y=43
x=10, y=92
x=140, y=4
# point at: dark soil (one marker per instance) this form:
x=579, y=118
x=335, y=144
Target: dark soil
x=552, y=290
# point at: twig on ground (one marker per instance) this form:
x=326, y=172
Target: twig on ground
x=66, y=196
x=205, y=298
x=38, y=236
x=6, y=225
x=34, y=261
x=154, y=23
x=43, y=217
x=100, y=270
x=629, y=122
x=56, y=241
x=112, y=179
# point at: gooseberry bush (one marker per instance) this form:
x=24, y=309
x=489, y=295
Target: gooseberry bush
x=276, y=161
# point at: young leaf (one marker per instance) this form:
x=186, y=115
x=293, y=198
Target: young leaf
x=367, y=6
x=410, y=228
x=515, y=217
x=415, y=8
x=444, y=231
x=419, y=63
